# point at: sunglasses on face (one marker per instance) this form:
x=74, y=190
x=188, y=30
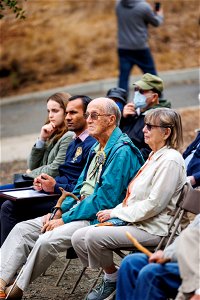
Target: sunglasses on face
x=141, y=91
x=150, y=126
x=94, y=115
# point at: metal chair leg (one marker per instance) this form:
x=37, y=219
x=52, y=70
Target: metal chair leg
x=63, y=271
x=95, y=281
x=78, y=280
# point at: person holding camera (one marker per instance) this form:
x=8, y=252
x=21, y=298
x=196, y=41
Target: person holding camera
x=133, y=18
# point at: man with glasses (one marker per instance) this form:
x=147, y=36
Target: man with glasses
x=147, y=93
x=112, y=163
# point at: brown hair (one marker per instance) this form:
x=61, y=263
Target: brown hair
x=62, y=99
x=168, y=118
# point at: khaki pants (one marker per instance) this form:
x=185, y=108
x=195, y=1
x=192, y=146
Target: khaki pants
x=93, y=244
x=26, y=245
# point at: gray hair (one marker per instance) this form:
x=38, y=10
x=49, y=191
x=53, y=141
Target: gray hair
x=168, y=118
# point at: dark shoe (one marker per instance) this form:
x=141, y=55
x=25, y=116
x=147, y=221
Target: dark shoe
x=104, y=291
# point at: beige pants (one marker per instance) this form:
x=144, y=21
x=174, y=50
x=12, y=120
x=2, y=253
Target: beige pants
x=26, y=245
x=94, y=245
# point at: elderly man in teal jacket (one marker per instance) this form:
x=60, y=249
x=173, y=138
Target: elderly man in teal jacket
x=112, y=163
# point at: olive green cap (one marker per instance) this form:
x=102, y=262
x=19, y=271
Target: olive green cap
x=149, y=82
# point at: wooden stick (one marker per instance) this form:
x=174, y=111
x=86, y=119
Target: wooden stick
x=138, y=245
x=60, y=201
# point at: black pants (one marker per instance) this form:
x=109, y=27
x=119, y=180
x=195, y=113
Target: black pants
x=12, y=212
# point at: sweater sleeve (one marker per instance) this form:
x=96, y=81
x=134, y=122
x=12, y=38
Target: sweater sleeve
x=151, y=17
x=55, y=158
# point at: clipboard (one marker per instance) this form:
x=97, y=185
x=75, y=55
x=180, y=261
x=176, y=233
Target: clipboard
x=26, y=194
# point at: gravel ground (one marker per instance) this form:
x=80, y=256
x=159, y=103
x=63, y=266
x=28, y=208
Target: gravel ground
x=44, y=287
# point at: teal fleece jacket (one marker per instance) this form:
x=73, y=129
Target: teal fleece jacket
x=123, y=160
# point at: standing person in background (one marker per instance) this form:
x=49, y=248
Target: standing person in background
x=133, y=17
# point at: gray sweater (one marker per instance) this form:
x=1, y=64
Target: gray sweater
x=133, y=17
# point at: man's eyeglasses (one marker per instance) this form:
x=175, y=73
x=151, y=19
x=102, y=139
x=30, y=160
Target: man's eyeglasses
x=94, y=115
x=150, y=126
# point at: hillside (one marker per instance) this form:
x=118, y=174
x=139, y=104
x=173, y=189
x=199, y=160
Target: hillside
x=69, y=41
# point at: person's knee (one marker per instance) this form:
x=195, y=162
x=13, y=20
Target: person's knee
x=92, y=238
x=150, y=271
x=7, y=207
x=75, y=239
x=43, y=240
x=131, y=261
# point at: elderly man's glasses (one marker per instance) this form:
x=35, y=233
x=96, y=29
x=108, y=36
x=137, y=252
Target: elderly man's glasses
x=150, y=126
x=94, y=115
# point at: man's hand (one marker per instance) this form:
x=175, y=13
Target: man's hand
x=103, y=215
x=129, y=110
x=50, y=225
x=44, y=182
x=156, y=256
x=47, y=217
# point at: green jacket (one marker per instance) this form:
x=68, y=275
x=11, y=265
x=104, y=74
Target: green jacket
x=47, y=159
x=123, y=160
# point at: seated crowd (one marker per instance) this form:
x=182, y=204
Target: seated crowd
x=118, y=189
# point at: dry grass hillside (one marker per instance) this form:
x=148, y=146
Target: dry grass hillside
x=69, y=41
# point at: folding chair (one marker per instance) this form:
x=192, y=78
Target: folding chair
x=71, y=254
x=189, y=201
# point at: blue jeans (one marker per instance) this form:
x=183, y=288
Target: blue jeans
x=128, y=58
x=139, y=280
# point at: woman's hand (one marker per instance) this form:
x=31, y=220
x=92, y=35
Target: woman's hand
x=28, y=171
x=46, y=131
x=103, y=215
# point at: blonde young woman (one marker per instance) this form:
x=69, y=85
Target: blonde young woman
x=148, y=206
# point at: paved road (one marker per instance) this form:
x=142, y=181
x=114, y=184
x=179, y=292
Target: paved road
x=23, y=118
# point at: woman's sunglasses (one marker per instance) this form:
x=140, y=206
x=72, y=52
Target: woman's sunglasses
x=150, y=126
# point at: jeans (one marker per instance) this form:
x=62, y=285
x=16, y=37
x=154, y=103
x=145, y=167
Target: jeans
x=128, y=58
x=140, y=280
